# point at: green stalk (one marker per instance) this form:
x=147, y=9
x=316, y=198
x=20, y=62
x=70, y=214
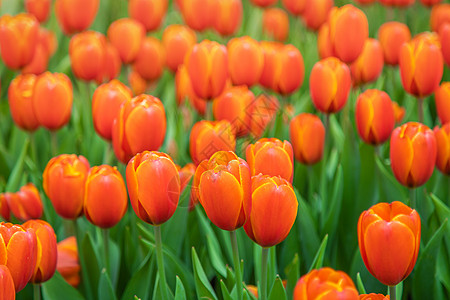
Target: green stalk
x=264, y=259
x=37, y=291
x=237, y=265
x=420, y=109
x=412, y=197
x=33, y=148
x=106, y=245
x=54, y=143
x=392, y=292
x=107, y=154
x=160, y=262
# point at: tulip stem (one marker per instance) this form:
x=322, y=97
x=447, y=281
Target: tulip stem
x=236, y=262
x=412, y=196
x=160, y=262
x=54, y=143
x=264, y=260
x=107, y=154
x=392, y=292
x=420, y=109
x=106, y=245
x=37, y=291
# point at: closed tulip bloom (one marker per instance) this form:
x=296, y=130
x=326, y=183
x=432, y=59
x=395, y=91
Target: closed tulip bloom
x=64, y=180
x=375, y=116
x=373, y=296
x=39, y=63
x=207, y=66
x=307, y=135
x=112, y=64
x=270, y=156
x=38, y=8
x=262, y=111
x=413, y=153
x=177, y=41
x=126, y=35
x=18, y=248
x=143, y=111
x=68, y=264
x=365, y=2
x=47, y=38
x=149, y=12
x=323, y=42
x=20, y=95
x=276, y=23
x=138, y=84
x=27, y=203
x=151, y=59
x=430, y=2
x=399, y=112
x=8, y=291
x=4, y=208
x=389, y=241
x=440, y=14
x=186, y=174
x=228, y=16
x=18, y=39
x=295, y=7
x=329, y=85
x=75, y=15
x=154, y=186
x=46, y=250
x=398, y=3
x=106, y=103
x=369, y=64
x=421, y=64
x=198, y=14
x=263, y=3
x=316, y=13
x=443, y=148
x=392, y=35
x=184, y=90
x=325, y=283
x=442, y=98
x=444, y=37
x=105, y=197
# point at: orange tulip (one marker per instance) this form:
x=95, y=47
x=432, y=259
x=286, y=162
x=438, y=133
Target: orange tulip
x=263, y=3
x=7, y=291
x=262, y=111
x=421, y=64
x=369, y=64
x=46, y=250
x=325, y=283
x=4, y=207
x=154, y=186
x=444, y=37
x=106, y=103
x=399, y=112
x=39, y=63
x=276, y=23
x=18, y=39
x=52, y=100
x=63, y=180
x=143, y=111
x=207, y=66
x=323, y=42
x=389, y=241
x=443, y=148
x=253, y=289
x=316, y=13
x=18, y=251
x=413, y=153
x=177, y=41
x=270, y=156
x=307, y=135
x=184, y=90
x=329, y=85
x=26, y=204
x=68, y=264
x=442, y=96
x=365, y=2
x=149, y=12
x=48, y=39
x=224, y=189
x=208, y=137
x=273, y=210
x=126, y=35
x=20, y=94
x=198, y=14
x=440, y=14
x=295, y=7
x=430, y=2
x=186, y=174
x=151, y=59
x=373, y=296
x=105, y=197
x=38, y=8
x=112, y=64
x=399, y=3
x=138, y=84
x=375, y=116
x=228, y=16
x=392, y=35
x=75, y=15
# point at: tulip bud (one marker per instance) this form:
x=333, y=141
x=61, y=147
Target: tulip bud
x=198, y=14
x=138, y=84
x=75, y=15
x=20, y=95
x=389, y=241
x=440, y=14
x=150, y=60
x=295, y=7
x=228, y=16
x=154, y=186
x=184, y=90
x=399, y=112
x=413, y=154
x=38, y=8
x=443, y=148
x=149, y=12
x=369, y=64
x=262, y=111
x=263, y=3
x=68, y=264
x=444, y=37
x=26, y=204
x=177, y=41
x=7, y=291
x=392, y=35
x=442, y=96
x=126, y=35
x=323, y=42
x=64, y=180
x=316, y=13
x=4, y=208
x=276, y=23
x=373, y=296
x=112, y=64
x=430, y=2
x=39, y=63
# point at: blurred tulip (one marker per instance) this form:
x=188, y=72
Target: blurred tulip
x=276, y=23
x=154, y=186
x=323, y=42
x=75, y=15
x=316, y=13
x=177, y=41
x=4, y=208
x=186, y=174
x=149, y=12
x=207, y=66
x=295, y=7
x=151, y=59
x=127, y=36
x=443, y=148
x=52, y=100
x=307, y=135
x=18, y=252
x=228, y=16
x=413, y=153
x=46, y=250
x=369, y=64
x=392, y=35
x=442, y=98
x=273, y=210
x=18, y=39
x=68, y=264
x=38, y=8
x=398, y=3
x=112, y=64
x=7, y=291
x=184, y=90
x=64, y=180
x=430, y=2
x=253, y=289
x=399, y=112
x=105, y=197
x=39, y=63
x=143, y=111
x=325, y=283
x=262, y=111
x=106, y=103
x=26, y=204
x=138, y=84
x=373, y=296
x=375, y=116
x=208, y=137
x=329, y=85
x=440, y=14
x=47, y=38
x=224, y=189
x=272, y=157
x=263, y=3
x=20, y=95
x=421, y=64
x=444, y=37
x=365, y=2
x=198, y=14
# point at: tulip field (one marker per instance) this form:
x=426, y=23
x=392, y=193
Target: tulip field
x=224, y=149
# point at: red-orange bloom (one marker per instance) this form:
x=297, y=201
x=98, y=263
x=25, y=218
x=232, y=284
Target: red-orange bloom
x=389, y=241
x=263, y=3
x=26, y=204
x=112, y=65
x=440, y=14
x=151, y=59
x=227, y=16
x=399, y=3
x=262, y=111
x=39, y=8
x=149, y=12
x=223, y=184
x=443, y=148
x=20, y=95
x=399, y=112
x=184, y=90
x=68, y=264
x=295, y=7
x=316, y=13
x=442, y=96
x=177, y=41
x=46, y=250
x=276, y=23
x=273, y=210
x=375, y=117
x=8, y=291
x=369, y=64
x=75, y=15
x=154, y=186
x=307, y=135
x=392, y=35
x=413, y=153
x=4, y=208
x=444, y=37
x=197, y=14
x=323, y=42
x=138, y=84
x=373, y=296
x=143, y=111
x=38, y=64
x=64, y=180
x=126, y=35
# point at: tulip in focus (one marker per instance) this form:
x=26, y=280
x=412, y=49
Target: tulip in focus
x=126, y=35
x=149, y=12
x=443, y=148
x=20, y=95
x=75, y=15
x=442, y=98
x=295, y=7
x=198, y=14
x=177, y=41
x=68, y=264
x=228, y=16
x=392, y=35
x=276, y=23
x=316, y=13
x=151, y=59
x=262, y=111
x=7, y=291
x=369, y=64
x=38, y=8
x=26, y=204
x=373, y=296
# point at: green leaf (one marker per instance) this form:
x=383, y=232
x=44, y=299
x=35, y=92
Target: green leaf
x=278, y=292
x=391, y=188
x=318, y=259
x=180, y=293
x=17, y=173
x=58, y=288
x=139, y=284
x=105, y=288
x=292, y=272
x=360, y=284
x=202, y=285
x=226, y=295
x=90, y=266
x=334, y=207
